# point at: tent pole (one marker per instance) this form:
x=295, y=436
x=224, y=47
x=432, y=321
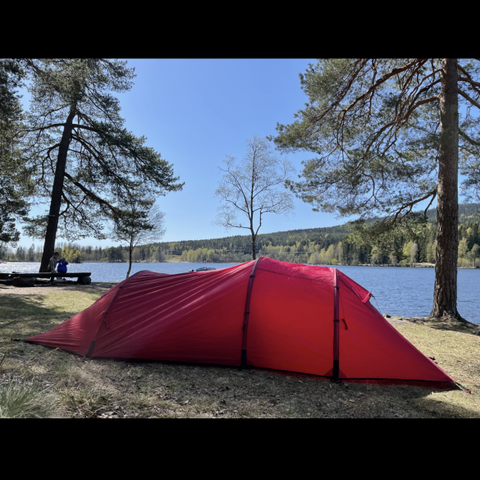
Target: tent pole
x=243, y=362
x=336, y=330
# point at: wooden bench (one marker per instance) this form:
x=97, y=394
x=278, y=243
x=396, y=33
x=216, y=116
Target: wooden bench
x=83, y=278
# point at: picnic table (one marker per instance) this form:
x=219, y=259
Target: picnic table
x=83, y=278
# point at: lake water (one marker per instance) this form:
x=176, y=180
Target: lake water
x=397, y=291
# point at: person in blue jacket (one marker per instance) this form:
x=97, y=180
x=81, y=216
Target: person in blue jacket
x=62, y=266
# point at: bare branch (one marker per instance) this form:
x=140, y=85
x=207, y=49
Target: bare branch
x=250, y=187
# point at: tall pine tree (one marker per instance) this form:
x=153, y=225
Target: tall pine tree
x=386, y=137
x=84, y=157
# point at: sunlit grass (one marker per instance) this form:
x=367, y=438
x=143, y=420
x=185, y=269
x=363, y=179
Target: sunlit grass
x=23, y=401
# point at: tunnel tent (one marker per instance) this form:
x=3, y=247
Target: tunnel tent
x=263, y=313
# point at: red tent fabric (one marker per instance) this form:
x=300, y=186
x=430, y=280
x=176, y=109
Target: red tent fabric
x=264, y=313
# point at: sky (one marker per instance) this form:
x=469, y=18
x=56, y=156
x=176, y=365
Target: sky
x=194, y=112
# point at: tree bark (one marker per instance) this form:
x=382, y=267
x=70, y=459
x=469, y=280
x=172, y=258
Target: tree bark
x=445, y=291
x=130, y=251
x=252, y=188
x=51, y=234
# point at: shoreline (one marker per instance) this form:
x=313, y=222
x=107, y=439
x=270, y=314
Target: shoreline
x=102, y=287
x=416, y=265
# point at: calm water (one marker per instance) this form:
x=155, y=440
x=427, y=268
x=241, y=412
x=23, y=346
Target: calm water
x=397, y=291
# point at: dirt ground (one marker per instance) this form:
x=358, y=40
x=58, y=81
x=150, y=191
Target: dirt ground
x=61, y=286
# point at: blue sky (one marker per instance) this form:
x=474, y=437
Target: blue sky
x=194, y=112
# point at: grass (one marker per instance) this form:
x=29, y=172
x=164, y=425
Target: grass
x=36, y=381
x=18, y=400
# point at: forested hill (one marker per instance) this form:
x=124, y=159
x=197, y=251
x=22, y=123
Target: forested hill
x=318, y=246
x=242, y=243
x=325, y=245
x=467, y=213
x=322, y=236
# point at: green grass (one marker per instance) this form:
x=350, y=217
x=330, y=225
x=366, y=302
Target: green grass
x=23, y=401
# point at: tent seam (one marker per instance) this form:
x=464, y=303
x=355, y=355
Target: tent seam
x=92, y=345
x=243, y=361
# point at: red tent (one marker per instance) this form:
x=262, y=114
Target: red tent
x=263, y=313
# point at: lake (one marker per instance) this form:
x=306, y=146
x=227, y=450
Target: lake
x=397, y=291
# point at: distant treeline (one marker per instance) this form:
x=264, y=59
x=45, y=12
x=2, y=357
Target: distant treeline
x=318, y=246
x=74, y=253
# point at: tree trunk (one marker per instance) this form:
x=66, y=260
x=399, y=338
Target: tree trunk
x=445, y=292
x=252, y=231
x=56, y=201
x=130, y=251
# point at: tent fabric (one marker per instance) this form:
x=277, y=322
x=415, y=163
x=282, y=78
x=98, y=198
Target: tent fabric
x=270, y=314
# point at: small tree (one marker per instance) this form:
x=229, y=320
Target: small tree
x=159, y=256
x=474, y=253
x=138, y=225
x=393, y=258
x=3, y=250
x=376, y=256
x=253, y=187
x=413, y=252
x=462, y=248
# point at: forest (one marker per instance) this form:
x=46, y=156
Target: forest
x=336, y=245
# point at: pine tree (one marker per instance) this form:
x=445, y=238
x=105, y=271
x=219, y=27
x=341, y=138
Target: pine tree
x=86, y=160
x=15, y=182
x=386, y=137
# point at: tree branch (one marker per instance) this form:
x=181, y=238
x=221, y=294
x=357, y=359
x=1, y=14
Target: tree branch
x=411, y=204
x=466, y=137
x=469, y=98
x=93, y=196
x=383, y=79
x=421, y=102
